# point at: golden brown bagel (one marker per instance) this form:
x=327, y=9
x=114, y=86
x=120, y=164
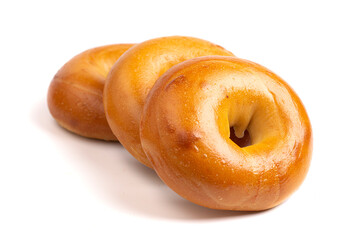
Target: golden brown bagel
x=133, y=76
x=185, y=133
x=75, y=96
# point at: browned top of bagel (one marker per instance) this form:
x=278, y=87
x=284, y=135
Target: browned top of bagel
x=185, y=133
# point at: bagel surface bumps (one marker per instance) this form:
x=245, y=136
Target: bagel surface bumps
x=185, y=133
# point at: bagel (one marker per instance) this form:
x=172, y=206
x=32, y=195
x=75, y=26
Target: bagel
x=185, y=133
x=75, y=95
x=133, y=76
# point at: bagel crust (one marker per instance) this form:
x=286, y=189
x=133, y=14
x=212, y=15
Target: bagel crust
x=75, y=95
x=185, y=133
x=133, y=76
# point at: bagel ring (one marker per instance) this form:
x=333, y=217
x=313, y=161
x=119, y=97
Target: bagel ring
x=185, y=133
x=75, y=95
x=133, y=76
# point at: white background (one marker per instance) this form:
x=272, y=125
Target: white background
x=56, y=185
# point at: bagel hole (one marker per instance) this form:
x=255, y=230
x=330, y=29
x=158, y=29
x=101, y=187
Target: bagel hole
x=241, y=142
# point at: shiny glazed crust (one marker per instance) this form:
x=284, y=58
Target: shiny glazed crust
x=133, y=76
x=185, y=134
x=75, y=95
